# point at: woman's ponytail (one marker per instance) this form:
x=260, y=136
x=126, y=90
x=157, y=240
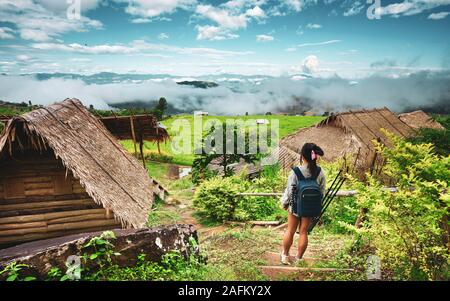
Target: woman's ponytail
x=310, y=152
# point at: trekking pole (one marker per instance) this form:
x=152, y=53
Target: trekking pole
x=326, y=204
x=332, y=187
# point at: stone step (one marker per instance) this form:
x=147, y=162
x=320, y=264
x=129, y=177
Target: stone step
x=297, y=273
x=273, y=259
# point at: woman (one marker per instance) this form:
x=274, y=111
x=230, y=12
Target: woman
x=309, y=155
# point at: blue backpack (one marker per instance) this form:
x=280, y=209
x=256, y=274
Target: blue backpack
x=307, y=196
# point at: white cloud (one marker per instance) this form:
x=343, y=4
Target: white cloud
x=264, y=38
x=34, y=35
x=58, y=6
x=256, y=12
x=313, y=44
x=23, y=58
x=310, y=64
x=411, y=7
x=154, y=8
x=355, y=8
x=222, y=17
x=6, y=33
x=137, y=47
x=163, y=36
x=78, y=48
x=438, y=16
x=214, y=33
x=45, y=20
x=313, y=26
x=297, y=5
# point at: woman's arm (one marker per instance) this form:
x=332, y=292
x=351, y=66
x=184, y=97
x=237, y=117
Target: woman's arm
x=287, y=195
x=322, y=180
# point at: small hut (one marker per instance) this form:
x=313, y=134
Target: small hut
x=350, y=133
x=62, y=172
x=420, y=119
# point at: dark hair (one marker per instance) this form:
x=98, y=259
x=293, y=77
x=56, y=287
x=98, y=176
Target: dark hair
x=306, y=153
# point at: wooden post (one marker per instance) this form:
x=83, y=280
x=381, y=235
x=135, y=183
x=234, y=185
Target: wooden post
x=141, y=148
x=133, y=135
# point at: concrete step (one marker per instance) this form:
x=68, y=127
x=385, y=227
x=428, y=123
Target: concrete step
x=297, y=273
x=273, y=259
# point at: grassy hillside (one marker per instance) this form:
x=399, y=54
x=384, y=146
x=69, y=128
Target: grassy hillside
x=287, y=125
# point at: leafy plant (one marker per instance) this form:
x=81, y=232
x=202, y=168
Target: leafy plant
x=13, y=270
x=408, y=228
x=217, y=199
x=100, y=250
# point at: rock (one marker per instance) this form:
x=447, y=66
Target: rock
x=172, y=201
x=43, y=255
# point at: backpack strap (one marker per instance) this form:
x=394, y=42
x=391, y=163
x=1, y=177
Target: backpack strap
x=301, y=177
x=318, y=173
x=299, y=174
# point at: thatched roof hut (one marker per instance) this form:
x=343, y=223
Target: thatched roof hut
x=137, y=127
x=62, y=172
x=350, y=133
x=420, y=119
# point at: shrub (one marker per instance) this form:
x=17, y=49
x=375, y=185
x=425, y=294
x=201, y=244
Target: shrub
x=407, y=228
x=439, y=138
x=216, y=199
x=163, y=158
x=340, y=213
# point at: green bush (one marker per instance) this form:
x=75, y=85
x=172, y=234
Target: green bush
x=164, y=158
x=340, y=213
x=439, y=138
x=407, y=228
x=216, y=199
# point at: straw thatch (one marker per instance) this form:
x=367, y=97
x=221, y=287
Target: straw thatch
x=137, y=127
x=350, y=133
x=420, y=119
x=110, y=176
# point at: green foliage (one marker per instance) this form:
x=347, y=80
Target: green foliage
x=439, y=138
x=340, y=213
x=216, y=199
x=444, y=120
x=407, y=228
x=159, y=216
x=100, y=251
x=154, y=156
x=13, y=272
x=160, y=108
x=55, y=274
x=174, y=266
x=220, y=151
x=288, y=125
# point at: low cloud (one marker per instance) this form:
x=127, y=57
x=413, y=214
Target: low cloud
x=422, y=89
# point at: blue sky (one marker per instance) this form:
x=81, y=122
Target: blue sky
x=250, y=37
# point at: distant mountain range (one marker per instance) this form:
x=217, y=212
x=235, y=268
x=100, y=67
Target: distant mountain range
x=109, y=77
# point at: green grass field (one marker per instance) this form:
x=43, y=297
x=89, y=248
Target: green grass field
x=287, y=125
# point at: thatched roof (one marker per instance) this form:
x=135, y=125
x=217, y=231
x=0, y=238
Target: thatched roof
x=366, y=125
x=420, y=119
x=146, y=127
x=349, y=133
x=111, y=176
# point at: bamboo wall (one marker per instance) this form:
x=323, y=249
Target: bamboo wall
x=38, y=200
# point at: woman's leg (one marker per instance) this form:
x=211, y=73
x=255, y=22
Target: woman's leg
x=303, y=239
x=290, y=232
